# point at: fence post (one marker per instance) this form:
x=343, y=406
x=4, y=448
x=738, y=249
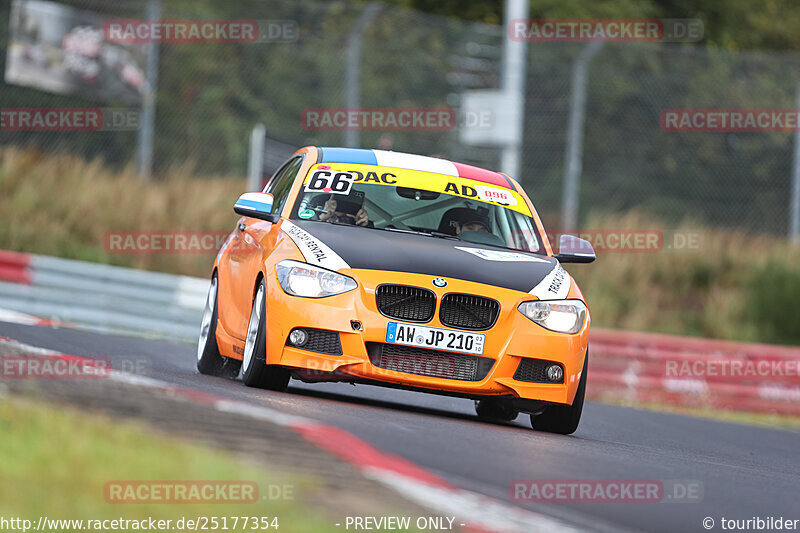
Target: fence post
x=144, y=159
x=513, y=85
x=352, y=80
x=255, y=161
x=794, y=201
x=573, y=154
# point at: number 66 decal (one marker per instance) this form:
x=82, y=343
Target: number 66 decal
x=327, y=181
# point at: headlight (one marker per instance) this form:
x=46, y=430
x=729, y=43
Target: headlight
x=302, y=279
x=564, y=316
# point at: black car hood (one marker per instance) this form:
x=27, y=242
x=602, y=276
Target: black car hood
x=373, y=249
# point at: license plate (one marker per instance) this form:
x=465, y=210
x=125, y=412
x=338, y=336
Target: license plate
x=435, y=338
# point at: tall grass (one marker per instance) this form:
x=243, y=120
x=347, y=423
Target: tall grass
x=732, y=286
x=64, y=206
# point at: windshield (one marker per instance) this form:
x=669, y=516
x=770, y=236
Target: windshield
x=436, y=205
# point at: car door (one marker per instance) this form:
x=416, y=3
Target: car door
x=252, y=242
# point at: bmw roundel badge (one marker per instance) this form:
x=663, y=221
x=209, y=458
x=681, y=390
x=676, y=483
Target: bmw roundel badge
x=439, y=282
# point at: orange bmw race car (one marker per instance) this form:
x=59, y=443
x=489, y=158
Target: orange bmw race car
x=400, y=270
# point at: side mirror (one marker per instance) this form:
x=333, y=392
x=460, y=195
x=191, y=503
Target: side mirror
x=256, y=205
x=572, y=249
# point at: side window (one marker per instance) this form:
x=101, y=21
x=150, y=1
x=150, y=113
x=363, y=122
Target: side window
x=523, y=233
x=281, y=184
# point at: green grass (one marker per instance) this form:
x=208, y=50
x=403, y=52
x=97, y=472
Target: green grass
x=55, y=462
x=774, y=300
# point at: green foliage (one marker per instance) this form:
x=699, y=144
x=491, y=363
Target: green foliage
x=773, y=300
x=730, y=24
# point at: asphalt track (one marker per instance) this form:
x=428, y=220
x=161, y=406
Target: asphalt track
x=745, y=472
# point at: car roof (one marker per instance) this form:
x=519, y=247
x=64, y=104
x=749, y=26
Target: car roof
x=384, y=158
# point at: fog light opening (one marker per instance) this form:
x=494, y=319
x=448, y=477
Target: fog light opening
x=555, y=373
x=298, y=337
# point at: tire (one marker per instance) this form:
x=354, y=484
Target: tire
x=209, y=360
x=564, y=419
x=255, y=370
x=495, y=409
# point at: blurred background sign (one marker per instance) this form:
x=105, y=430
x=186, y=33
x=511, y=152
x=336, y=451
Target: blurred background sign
x=60, y=49
x=489, y=117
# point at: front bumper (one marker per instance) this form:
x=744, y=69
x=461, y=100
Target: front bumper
x=512, y=338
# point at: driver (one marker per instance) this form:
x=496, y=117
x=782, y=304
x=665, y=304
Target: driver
x=473, y=221
x=347, y=209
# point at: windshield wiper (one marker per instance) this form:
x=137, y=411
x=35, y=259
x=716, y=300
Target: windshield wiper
x=337, y=223
x=437, y=234
x=442, y=235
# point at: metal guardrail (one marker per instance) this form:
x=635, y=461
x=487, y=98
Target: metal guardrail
x=103, y=297
x=624, y=366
